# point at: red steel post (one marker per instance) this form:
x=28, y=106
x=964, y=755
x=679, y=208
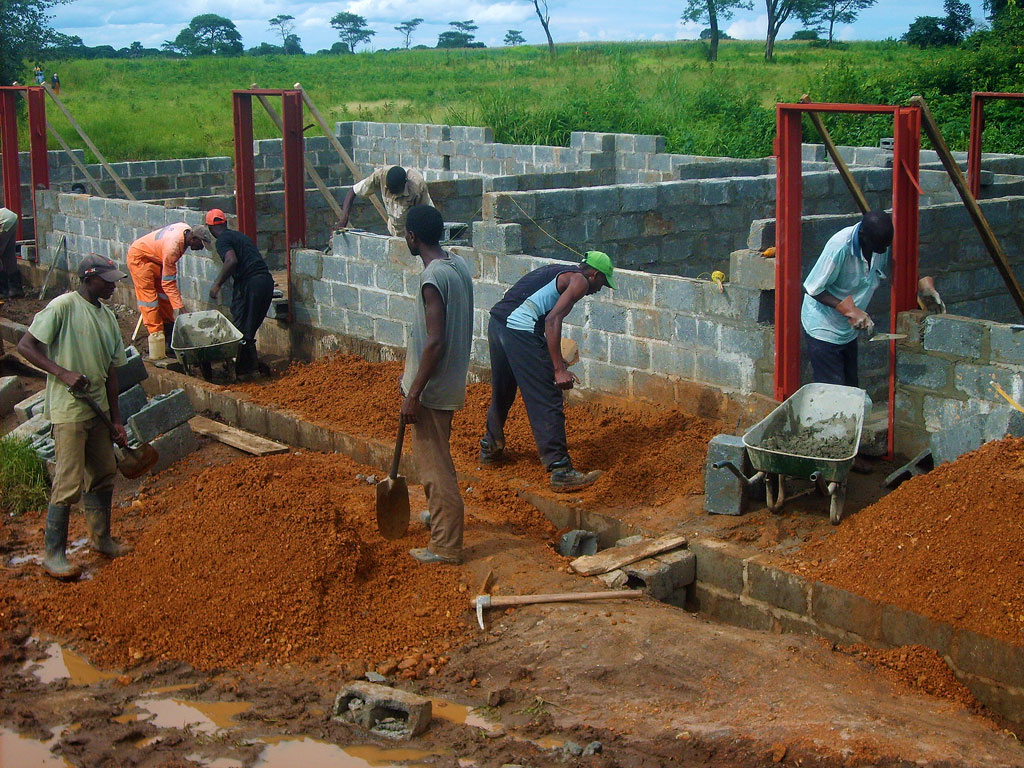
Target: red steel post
x=245, y=176
x=40, y=161
x=974, y=148
x=294, y=178
x=9, y=153
x=788, y=221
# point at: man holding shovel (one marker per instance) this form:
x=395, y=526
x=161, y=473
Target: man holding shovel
x=434, y=382
x=76, y=340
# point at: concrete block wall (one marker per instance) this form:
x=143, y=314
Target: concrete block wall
x=945, y=370
x=651, y=339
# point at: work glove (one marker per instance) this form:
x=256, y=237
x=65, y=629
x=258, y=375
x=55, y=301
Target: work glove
x=858, y=318
x=927, y=297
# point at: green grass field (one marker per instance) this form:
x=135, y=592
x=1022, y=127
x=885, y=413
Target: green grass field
x=163, y=108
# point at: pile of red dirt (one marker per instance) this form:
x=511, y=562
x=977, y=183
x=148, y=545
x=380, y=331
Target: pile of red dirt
x=917, y=668
x=948, y=545
x=270, y=559
x=650, y=455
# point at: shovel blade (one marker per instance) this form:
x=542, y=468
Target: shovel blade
x=135, y=462
x=393, y=507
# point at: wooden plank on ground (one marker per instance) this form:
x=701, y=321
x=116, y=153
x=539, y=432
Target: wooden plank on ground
x=236, y=438
x=617, y=557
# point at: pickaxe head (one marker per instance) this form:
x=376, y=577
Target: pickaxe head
x=482, y=601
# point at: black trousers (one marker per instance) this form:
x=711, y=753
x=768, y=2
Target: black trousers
x=832, y=363
x=250, y=301
x=520, y=360
x=10, y=277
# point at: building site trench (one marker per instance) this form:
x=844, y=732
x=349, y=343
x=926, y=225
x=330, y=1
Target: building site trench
x=262, y=582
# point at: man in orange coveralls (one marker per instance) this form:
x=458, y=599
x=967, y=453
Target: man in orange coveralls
x=153, y=264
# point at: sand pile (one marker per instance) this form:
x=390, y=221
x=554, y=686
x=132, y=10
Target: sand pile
x=650, y=455
x=948, y=545
x=265, y=559
x=916, y=668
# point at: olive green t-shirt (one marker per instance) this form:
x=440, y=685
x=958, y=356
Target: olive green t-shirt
x=83, y=338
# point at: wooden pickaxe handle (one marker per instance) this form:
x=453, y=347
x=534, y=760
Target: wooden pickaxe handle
x=488, y=601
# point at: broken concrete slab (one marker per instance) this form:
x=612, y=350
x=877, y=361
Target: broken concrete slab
x=30, y=406
x=616, y=579
x=11, y=393
x=162, y=414
x=385, y=711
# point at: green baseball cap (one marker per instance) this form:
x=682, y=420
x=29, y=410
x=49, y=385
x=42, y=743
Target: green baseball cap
x=602, y=262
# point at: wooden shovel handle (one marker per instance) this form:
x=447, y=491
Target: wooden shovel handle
x=398, y=449
x=96, y=408
x=563, y=597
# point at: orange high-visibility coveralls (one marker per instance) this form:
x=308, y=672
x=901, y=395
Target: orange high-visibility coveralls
x=153, y=265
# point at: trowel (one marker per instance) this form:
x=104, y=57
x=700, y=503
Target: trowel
x=393, y=496
x=132, y=462
x=888, y=336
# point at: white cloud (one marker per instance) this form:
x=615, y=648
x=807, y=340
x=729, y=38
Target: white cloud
x=749, y=29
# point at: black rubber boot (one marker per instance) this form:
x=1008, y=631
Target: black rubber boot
x=168, y=336
x=15, y=288
x=55, y=563
x=491, y=453
x=565, y=479
x=3, y=285
x=97, y=518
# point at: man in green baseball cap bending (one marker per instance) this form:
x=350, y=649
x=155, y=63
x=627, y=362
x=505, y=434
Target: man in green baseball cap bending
x=524, y=336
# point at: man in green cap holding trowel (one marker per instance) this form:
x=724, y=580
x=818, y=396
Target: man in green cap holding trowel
x=524, y=337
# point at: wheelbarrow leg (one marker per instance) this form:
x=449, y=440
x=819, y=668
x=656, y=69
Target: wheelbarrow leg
x=775, y=492
x=835, y=510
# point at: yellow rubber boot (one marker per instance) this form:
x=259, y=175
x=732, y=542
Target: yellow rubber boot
x=157, y=346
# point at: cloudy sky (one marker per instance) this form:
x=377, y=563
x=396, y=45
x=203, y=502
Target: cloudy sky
x=119, y=22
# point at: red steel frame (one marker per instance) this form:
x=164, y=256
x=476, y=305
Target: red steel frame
x=978, y=99
x=788, y=220
x=39, y=161
x=294, y=172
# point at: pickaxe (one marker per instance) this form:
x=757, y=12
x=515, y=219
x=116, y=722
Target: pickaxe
x=487, y=601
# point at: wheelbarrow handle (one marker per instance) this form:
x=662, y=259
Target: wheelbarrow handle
x=748, y=481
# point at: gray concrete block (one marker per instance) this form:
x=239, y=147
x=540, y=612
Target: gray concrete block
x=724, y=494
x=778, y=588
x=609, y=379
x=752, y=270
x=382, y=710
x=653, y=323
x=670, y=359
x=11, y=393
x=651, y=576
x=173, y=446
x=132, y=372
x=34, y=428
x=131, y=401
x=605, y=316
x=1007, y=343
x=846, y=610
x=975, y=381
x=629, y=352
x=162, y=414
x=719, y=564
x=30, y=406
x=682, y=567
x=678, y=294
x=971, y=431
x=925, y=371
x=953, y=335
x=389, y=332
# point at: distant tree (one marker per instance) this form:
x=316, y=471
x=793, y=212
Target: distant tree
x=406, y=28
x=265, y=49
x=25, y=30
x=339, y=48
x=541, y=7
x=135, y=50
x=293, y=46
x=207, y=35
x=834, y=12
x=705, y=34
x=780, y=11
x=284, y=24
x=352, y=29
x=711, y=12
x=806, y=34
x=937, y=31
x=995, y=7
x=514, y=37
x=453, y=39
x=467, y=27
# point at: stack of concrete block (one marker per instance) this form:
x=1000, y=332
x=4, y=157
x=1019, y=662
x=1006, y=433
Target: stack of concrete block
x=31, y=406
x=163, y=422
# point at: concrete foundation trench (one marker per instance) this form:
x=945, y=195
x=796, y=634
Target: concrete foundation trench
x=668, y=362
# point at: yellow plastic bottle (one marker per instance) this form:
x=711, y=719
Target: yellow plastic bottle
x=157, y=346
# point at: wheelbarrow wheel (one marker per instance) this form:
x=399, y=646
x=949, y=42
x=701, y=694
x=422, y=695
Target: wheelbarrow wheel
x=774, y=492
x=835, y=508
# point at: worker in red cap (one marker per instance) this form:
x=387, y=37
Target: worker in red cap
x=252, y=288
x=153, y=264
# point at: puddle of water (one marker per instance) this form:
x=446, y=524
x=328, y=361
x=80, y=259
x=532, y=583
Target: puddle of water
x=548, y=742
x=62, y=663
x=170, y=689
x=203, y=716
x=286, y=752
x=17, y=751
x=219, y=762
x=461, y=715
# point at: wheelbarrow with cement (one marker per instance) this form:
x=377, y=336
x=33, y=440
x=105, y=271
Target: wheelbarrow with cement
x=813, y=435
x=201, y=339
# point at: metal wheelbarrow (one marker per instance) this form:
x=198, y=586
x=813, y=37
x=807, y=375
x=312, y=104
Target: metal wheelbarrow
x=813, y=435
x=201, y=339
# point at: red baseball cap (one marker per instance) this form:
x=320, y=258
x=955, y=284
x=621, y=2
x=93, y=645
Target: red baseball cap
x=215, y=216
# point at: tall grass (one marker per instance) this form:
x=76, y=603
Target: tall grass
x=161, y=108
x=23, y=479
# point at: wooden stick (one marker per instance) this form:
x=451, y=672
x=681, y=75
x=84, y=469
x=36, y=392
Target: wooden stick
x=833, y=151
x=338, y=148
x=78, y=163
x=137, y=326
x=562, y=597
x=317, y=180
x=931, y=128
x=88, y=143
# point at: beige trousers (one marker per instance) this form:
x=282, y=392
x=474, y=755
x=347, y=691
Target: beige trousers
x=85, y=460
x=434, y=460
